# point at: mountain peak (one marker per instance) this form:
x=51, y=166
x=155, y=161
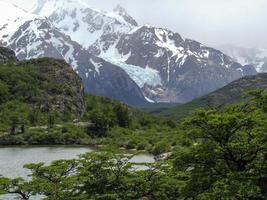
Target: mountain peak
x=47, y=7
x=121, y=11
x=11, y=17
x=39, y=4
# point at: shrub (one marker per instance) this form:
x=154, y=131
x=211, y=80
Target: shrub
x=161, y=147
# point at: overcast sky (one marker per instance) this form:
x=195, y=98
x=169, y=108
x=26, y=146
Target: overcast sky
x=212, y=22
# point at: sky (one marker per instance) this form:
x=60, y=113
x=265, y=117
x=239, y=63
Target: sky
x=212, y=22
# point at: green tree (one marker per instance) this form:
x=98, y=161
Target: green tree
x=14, y=123
x=228, y=156
x=33, y=116
x=98, y=176
x=22, y=126
x=51, y=120
x=124, y=115
x=101, y=123
x=16, y=186
x=56, y=182
x=4, y=92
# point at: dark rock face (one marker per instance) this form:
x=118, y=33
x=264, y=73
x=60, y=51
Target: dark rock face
x=56, y=86
x=249, y=70
x=123, y=13
x=111, y=81
x=62, y=89
x=7, y=55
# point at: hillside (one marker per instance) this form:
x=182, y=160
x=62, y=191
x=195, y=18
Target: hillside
x=7, y=55
x=232, y=93
x=42, y=101
x=46, y=84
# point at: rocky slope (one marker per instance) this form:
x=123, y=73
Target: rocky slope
x=36, y=37
x=7, y=55
x=47, y=84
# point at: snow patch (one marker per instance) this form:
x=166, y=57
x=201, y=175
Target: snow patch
x=259, y=67
x=149, y=100
x=82, y=23
x=96, y=65
x=9, y=20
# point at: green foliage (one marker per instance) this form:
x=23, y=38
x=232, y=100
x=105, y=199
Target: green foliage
x=16, y=186
x=4, y=92
x=33, y=117
x=29, y=113
x=124, y=116
x=228, y=157
x=51, y=120
x=101, y=123
x=98, y=176
x=220, y=154
x=161, y=147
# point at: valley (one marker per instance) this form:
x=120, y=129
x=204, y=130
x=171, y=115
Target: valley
x=97, y=105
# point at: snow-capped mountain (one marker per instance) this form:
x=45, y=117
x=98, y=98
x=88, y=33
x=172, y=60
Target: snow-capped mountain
x=32, y=36
x=177, y=69
x=165, y=66
x=245, y=55
x=116, y=57
x=85, y=25
x=11, y=18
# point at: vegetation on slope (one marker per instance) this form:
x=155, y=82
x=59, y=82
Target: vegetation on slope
x=218, y=153
x=42, y=102
x=232, y=93
x=223, y=156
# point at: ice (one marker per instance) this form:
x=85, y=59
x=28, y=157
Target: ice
x=142, y=76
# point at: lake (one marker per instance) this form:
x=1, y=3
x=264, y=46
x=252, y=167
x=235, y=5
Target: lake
x=12, y=159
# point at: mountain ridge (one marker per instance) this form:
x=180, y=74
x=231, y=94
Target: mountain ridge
x=158, y=64
x=38, y=37
x=178, y=61
x=234, y=92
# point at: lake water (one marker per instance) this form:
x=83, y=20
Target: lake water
x=12, y=159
